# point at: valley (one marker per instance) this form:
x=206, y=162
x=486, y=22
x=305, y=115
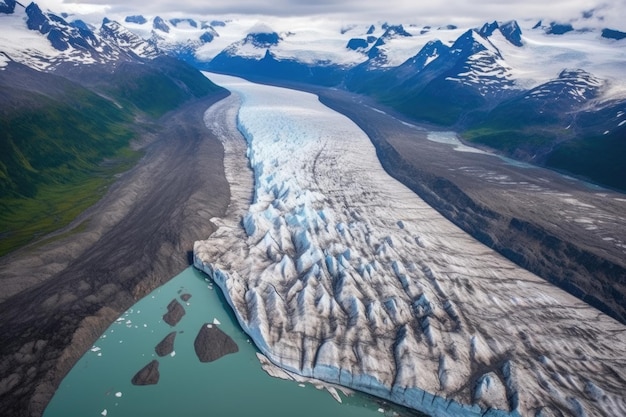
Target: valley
x=58, y=297
x=100, y=270
x=371, y=246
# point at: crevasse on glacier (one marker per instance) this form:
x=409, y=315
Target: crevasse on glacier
x=340, y=273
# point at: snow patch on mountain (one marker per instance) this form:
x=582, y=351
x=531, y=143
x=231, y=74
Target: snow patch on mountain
x=576, y=86
x=340, y=273
x=117, y=34
x=43, y=40
x=485, y=69
x=542, y=57
x=23, y=45
x=4, y=61
x=396, y=49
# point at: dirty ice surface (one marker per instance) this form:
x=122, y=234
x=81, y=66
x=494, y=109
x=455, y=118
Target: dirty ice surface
x=339, y=272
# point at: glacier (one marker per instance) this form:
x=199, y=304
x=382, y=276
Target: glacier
x=339, y=272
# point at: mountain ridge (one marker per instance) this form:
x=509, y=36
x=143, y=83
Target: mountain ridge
x=68, y=113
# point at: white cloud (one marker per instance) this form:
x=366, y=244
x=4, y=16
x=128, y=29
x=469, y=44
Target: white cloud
x=435, y=12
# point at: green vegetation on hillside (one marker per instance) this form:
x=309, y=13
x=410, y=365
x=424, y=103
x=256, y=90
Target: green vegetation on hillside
x=430, y=105
x=557, y=139
x=516, y=125
x=61, y=148
x=159, y=88
x=52, y=161
x=55, y=205
x=58, y=142
x=599, y=158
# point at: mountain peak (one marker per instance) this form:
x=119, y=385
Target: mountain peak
x=208, y=36
x=558, y=28
x=118, y=35
x=357, y=44
x=613, y=34
x=469, y=43
x=510, y=30
x=263, y=39
x=570, y=89
x=7, y=6
x=394, y=30
x=429, y=53
x=58, y=30
x=36, y=19
x=488, y=29
x=159, y=24
x=138, y=19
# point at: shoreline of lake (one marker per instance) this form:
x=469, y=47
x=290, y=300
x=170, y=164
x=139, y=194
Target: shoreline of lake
x=101, y=379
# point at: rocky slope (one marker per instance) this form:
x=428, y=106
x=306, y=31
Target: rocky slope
x=74, y=100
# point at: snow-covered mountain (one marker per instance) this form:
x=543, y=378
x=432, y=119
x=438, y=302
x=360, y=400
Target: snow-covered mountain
x=535, y=75
x=443, y=74
x=533, y=53
x=44, y=40
x=466, y=77
x=492, y=59
x=68, y=73
x=495, y=61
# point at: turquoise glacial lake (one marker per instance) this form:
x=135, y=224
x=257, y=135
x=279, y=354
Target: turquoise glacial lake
x=234, y=385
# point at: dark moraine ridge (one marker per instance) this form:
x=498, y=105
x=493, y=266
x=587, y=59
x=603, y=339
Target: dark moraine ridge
x=525, y=225
x=135, y=239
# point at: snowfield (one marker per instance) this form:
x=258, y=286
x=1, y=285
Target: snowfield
x=339, y=272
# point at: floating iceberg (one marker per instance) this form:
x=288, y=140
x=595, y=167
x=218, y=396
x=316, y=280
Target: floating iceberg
x=339, y=272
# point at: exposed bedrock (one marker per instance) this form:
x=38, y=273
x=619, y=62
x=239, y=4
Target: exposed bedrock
x=212, y=343
x=148, y=375
x=166, y=346
x=175, y=312
x=340, y=273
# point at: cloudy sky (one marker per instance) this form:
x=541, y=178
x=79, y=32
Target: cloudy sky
x=605, y=13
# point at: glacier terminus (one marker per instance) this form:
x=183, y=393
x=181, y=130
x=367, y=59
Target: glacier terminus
x=339, y=272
